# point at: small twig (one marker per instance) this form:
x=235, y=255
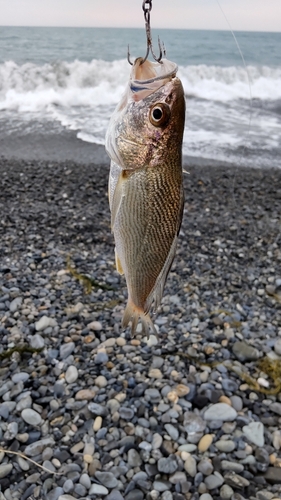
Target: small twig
x=30, y=460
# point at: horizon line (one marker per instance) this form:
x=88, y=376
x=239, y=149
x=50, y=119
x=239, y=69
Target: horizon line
x=135, y=27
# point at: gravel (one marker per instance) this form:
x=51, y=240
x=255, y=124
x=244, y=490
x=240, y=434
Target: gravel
x=116, y=418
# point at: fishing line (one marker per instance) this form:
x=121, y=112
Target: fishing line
x=248, y=78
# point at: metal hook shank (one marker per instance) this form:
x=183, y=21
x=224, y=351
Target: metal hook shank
x=146, y=10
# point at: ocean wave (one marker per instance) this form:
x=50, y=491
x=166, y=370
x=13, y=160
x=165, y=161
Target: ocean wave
x=31, y=87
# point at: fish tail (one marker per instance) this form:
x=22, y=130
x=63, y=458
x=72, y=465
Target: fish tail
x=133, y=314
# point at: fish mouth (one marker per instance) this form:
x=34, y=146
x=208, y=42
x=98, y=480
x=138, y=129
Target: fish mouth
x=147, y=76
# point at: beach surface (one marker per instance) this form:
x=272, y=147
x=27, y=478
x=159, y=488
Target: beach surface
x=194, y=415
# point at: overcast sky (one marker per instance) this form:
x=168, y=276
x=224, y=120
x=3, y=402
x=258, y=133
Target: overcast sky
x=257, y=15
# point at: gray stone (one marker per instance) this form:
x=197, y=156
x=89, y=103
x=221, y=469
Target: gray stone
x=44, y=322
x=172, y=431
x=167, y=495
x=275, y=407
x=98, y=409
x=6, y=387
x=4, y=411
x=31, y=417
x=193, y=423
x=229, y=385
x=245, y=352
x=5, y=470
x=205, y=496
x=101, y=358
x=80, y=490
x=152, y=395
x=11, y=432
x=225, y=445
x=235, y=480
x=167, y=465
x=71, y=374
x=226, y=492
x=54, y=494
x=37, y=447
x=220, y=411
x=237, y=402
x=205, y=466
x=114, y=495
x=98, y=489
x=178, y=478
x=20, y=377
x=134, y=459
x=68, y=486
x=15, y=304
x=107, y=479
x=273, y=475
x=85, y=480
x=157, y=441
x=231, y=466
x=161, y=485
x=66, y=350
x=24, y=403
x=37, y=342
x=126, y=413
x=254, y=432
x=135, y=495
x=213, y=481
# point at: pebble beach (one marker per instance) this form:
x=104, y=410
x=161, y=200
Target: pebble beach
x=192, y=415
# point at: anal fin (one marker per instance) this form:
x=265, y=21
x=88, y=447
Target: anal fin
x=118, y=264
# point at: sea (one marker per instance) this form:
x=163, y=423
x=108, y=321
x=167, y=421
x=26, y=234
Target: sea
x=72, y=79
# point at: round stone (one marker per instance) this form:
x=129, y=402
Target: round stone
x=97, y=424
x=220, y=411
x=225, y=445
x=205, y=443
x=71, y=374
x=31, y=417
x=226, y=492
x=205, y=466
x=101, y=381
x=120, y=341
x=190, y=466
x=5, y=470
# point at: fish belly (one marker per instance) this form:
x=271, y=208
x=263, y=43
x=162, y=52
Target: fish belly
x=147, y=209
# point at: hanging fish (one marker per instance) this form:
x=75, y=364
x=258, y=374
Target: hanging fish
x=144, y=142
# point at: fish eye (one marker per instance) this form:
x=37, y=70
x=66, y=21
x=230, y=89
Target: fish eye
x=159, y=114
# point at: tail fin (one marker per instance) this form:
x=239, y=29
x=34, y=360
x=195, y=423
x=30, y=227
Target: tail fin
x=133, y=314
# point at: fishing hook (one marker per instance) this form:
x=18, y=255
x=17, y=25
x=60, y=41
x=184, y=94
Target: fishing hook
x=162, y=50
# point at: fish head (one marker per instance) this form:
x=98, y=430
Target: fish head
x=147, y=125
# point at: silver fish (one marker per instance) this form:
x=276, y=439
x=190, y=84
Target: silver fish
x=144, y=142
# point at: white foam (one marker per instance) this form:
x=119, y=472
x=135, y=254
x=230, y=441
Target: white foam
x=81, y=96
x=224, y=84
x=32, y=87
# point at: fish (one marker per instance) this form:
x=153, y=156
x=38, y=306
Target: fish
x=145, y=190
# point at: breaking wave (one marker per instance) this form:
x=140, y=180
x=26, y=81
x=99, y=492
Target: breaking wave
x=31, y=87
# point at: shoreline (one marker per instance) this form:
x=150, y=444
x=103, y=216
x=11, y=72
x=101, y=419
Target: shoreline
x=55, y=143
